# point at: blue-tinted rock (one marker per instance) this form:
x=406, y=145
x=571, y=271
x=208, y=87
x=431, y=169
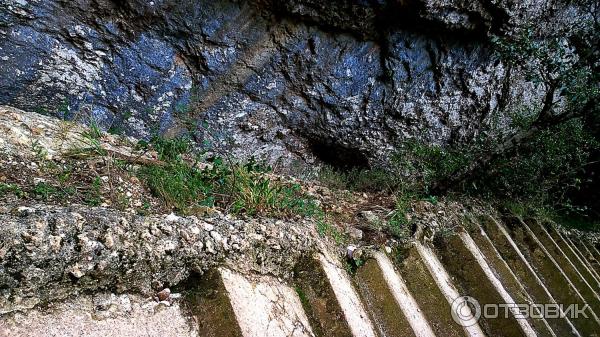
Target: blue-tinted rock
x=273, y=79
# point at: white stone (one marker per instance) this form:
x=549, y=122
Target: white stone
x=265, y=307
x=172, y=218
x=354, y=311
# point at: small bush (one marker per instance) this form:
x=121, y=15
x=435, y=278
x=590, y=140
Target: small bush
x=419, y=166
x=542, y=172
x=171, y=149
x=94, y=195
x=179, y=185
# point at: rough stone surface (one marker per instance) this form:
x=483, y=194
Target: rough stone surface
x=101, y=315
x=265, y=307
x=291, y=81
x=49, y=253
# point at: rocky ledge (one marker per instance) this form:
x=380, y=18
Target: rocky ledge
x=48, y=253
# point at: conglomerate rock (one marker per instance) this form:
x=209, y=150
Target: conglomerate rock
x=48, y=253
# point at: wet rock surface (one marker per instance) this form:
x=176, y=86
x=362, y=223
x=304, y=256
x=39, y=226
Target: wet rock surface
x=288, y=81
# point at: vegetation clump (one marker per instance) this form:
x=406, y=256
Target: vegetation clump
x=241, y=188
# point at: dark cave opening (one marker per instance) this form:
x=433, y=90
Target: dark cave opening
x=338, y=156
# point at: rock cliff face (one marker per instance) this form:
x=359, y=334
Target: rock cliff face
x=293, y=81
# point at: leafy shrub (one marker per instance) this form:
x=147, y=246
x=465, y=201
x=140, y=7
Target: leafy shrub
x=253, y=192
x=544, y=170
x=419, y=165
x=180, y=185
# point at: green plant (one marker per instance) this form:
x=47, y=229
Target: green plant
x=45, y=191
x=63, y=109
x=115, y=130
x=432, y=199
x=243, y=188
x=42, y=111
x=253, y=193
x=302, y=296
x=542, y=172
x=419, y=165
x=398, y=221
x=10, y=188
x=353, y=265
x=92, y=144
x=117, y=124
x=93, y=132
x=170, y=149
x=323, y=227
x=94, y=195
x=179, y=185
x=40, y=152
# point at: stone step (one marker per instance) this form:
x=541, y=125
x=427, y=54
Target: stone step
x=319, y=300
x=423, y=287
x=449, y=290
x=575, y=256
x=208, y=303
x=404, y=298
x=354, y=311
x=587, y=253
x=474, y=278
x=419, y=290
x=380, y=299
x=594, y=254
x=480, y=244
x=551, y=247
x=551, y=273
x=265, y=306
x=522, y=268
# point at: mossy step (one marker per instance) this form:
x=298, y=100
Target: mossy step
x=509, y=280
x=566, y=264
x=354, y=311
x=575, y=256
x=318, y=300
x=208, y=302
x=426, y=292
x=592, y=254
x=551, y=273
x=522, y=268
x=470, y=278
x=379, y=300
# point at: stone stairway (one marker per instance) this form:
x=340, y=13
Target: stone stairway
x=420, y=290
